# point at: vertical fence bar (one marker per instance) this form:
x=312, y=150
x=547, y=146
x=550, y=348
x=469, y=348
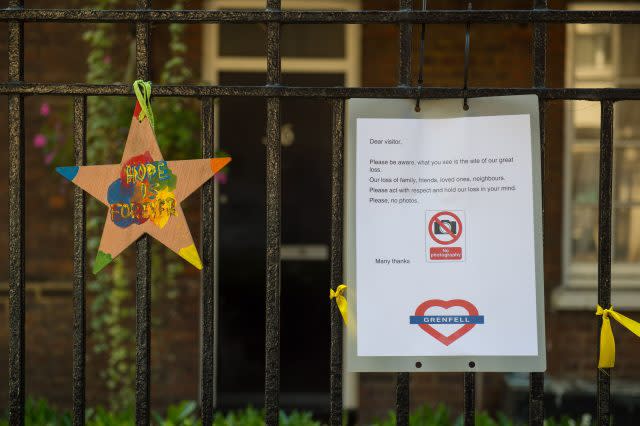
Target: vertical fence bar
x=404, y=79
x=273, y=223
x=402, y=399
x=143, y=330
x=79, y=263
x=540, y=35
x=469, y=387
x=208, y=299
x=604, y=249
x=337, y=174
x=143, y=44
x=469, y=399
x=143, y=258
x=16, y=223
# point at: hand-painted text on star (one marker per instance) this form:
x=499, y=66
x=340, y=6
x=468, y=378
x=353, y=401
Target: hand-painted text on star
x=143, y=192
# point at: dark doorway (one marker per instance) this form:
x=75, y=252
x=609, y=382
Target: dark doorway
x=306, y=152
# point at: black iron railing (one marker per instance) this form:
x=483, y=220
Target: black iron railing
x=16, y=89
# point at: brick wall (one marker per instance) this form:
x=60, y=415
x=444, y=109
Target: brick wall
x=174, y=343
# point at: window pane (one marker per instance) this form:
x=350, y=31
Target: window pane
x=592, y=48
x=626, y=175
x=242, y=40
x=584, y=180
x=584, y=234
x=627, y=118
x=630, y=57
x=304, y=40
x=586, y=119
x=627, y=234
x=320, y=41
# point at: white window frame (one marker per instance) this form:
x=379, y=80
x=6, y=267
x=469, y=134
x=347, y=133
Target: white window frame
x=213, y=64
x=579, y=286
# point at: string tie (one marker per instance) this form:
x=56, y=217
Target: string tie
x=142, y=90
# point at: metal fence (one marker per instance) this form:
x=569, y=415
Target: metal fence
x=16, y=89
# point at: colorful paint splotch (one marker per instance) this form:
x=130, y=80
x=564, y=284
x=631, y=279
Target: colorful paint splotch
x=143, y=192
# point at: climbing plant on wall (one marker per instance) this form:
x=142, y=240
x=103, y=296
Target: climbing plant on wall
x=112, y=308
x=110, y=59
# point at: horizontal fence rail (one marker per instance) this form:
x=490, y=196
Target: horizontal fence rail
x=549, y=93
x=404, y=17
x=324, y=17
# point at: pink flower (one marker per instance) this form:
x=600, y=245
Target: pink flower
x=44, y=109
x=221, y=178
x=39, y=140
x=48, y=159
x=107, y=59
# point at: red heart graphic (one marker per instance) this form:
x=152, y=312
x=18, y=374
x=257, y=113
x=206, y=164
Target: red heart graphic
x=446, y=304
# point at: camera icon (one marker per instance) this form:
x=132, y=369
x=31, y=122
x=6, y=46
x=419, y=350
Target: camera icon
x=450, y=224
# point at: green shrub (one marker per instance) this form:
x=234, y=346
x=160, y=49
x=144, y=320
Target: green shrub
x=441, y=416
x=424, y=415
x=39, y=413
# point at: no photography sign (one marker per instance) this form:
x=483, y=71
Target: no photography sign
x=445, y=236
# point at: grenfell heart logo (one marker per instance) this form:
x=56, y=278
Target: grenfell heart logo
x=428, y=323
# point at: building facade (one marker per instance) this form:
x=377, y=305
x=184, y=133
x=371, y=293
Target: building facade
x=591, y=55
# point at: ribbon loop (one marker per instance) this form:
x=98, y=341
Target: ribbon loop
x=142, y=90
x=607, y=342
x=341, y=301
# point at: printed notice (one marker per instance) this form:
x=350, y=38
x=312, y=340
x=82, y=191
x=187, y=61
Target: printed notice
x=445, y=237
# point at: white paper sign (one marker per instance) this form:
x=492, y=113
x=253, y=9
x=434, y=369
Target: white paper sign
x=446, y=238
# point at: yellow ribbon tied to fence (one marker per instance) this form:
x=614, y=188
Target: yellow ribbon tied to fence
x=341, y=301
x=607, y=343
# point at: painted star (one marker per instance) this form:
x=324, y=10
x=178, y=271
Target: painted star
x=143, y=194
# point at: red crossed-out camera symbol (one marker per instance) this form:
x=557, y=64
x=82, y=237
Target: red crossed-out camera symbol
x=444, y=221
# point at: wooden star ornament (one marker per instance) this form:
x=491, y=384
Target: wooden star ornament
x=144, y=192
